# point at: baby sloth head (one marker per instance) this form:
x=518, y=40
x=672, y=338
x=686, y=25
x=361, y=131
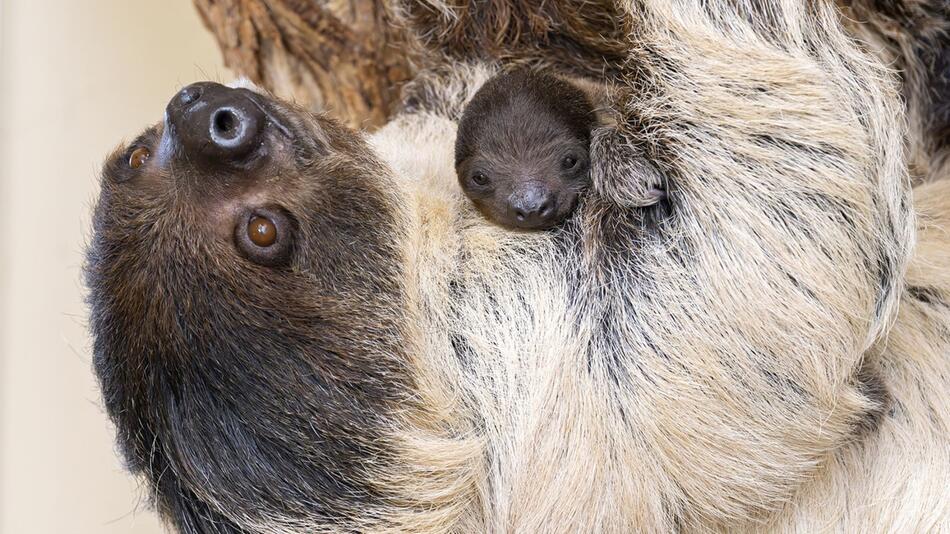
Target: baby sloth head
x=521, y=153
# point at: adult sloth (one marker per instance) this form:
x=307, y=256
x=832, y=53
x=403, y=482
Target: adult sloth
x=300, y=331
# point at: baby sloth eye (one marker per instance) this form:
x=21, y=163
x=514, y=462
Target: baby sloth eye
x=138, y=157
x=479, y=178
x=568, y=163
x=262, y=231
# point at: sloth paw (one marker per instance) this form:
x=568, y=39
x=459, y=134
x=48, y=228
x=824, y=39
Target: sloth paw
x=620, y=172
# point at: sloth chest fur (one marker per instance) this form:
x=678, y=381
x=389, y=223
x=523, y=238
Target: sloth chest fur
x=499, y=328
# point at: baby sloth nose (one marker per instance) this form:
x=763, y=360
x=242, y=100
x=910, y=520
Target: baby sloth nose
x=533, y=205
x=216, y=122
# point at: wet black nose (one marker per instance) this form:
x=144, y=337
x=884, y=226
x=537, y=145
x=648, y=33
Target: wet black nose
x=533, y=206
x=215, y=122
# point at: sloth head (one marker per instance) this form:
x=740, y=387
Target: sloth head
x=521, y=153
x=237, y=229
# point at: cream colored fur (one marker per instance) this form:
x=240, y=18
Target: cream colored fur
x=909, y=36
x=717, y=375
x=895, y=479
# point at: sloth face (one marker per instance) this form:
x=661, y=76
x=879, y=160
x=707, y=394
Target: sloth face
x=530, y=177
x=242, y=252
x=522, y=149
x=528, y=185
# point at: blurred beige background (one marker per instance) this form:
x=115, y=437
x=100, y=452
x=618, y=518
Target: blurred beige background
x=76, y=77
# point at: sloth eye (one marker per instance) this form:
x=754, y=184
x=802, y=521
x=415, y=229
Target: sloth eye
x=568, y=163
x=265, y=236
x=262, y=231
x=138, y=157
x=479, y=178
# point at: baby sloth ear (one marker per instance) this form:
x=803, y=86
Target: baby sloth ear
x=620, y=172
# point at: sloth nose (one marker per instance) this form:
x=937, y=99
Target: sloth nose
x=215, y=122
x=533, y=205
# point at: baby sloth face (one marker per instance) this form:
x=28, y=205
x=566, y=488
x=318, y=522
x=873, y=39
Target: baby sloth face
x=522, y=150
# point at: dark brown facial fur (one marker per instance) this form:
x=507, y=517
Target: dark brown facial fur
x=235, y=273
x=522, y=150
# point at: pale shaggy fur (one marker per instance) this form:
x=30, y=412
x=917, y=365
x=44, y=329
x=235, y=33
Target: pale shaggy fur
x=913, y=38
x=722, y=369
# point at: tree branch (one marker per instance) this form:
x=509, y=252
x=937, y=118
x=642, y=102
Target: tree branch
x=346, y=56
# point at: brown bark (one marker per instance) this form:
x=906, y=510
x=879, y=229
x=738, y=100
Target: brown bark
x=345, y=56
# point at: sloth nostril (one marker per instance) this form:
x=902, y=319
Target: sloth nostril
x=225, y=123
x=190, y=94
x=546, y=209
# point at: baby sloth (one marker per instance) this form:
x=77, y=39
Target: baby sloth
x=522, y=150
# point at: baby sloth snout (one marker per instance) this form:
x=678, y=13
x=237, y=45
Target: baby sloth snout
x=533, y=205
x=215, y=122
